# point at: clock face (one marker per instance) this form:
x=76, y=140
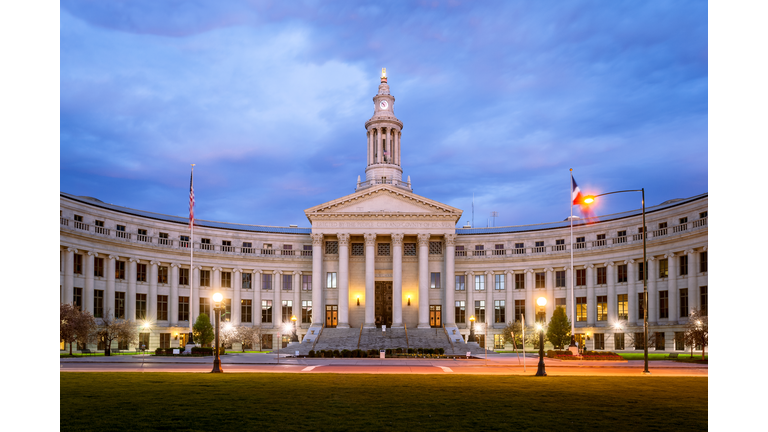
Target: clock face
x=384, y=104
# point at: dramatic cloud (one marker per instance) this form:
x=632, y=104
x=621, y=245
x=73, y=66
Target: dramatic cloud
x=498, y=99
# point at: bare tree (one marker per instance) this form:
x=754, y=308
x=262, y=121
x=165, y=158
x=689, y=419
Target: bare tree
x=246, y=335
x=636, y=339
x=697, y=331
x=112, y=329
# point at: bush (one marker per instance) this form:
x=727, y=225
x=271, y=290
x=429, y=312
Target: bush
x=336, y=354
x=399, y=351
x=388, y=352
x=440, y=351
x=364, y=354
x=202, y=351
x=311, y=353
x=411, y=351
x=345, y=353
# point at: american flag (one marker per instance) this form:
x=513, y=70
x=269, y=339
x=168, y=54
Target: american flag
x=191, y=201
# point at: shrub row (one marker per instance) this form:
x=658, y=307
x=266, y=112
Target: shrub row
x=358, y=353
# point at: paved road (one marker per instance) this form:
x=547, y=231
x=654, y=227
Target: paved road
x=268, y=363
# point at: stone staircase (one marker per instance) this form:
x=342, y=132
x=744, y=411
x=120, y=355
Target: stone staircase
x=392, y=338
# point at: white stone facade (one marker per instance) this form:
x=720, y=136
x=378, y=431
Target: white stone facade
x=385, y=233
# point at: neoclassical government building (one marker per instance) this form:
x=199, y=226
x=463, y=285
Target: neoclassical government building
x=384, y=256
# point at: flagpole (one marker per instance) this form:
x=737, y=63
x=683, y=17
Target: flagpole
x=573, y=304
x=191, y=249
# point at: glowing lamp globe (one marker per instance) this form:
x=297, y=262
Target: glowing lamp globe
x=541, y=301
x=217, y=297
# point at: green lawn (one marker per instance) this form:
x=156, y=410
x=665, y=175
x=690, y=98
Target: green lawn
x=662, y=356
x=176, y=401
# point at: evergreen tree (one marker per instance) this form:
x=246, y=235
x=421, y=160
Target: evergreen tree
x=203, y=330
x=559, y=329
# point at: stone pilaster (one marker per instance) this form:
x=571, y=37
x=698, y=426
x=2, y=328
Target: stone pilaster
x=632, y=292
x=672, y=292
x=130, y=298
x=423, y=240
x=88, y=289
x=530, y=308
x=343, y=280
x=318, y=309
x=237, y=286
x=610, y=277
x=111, y=279
x=152, y=294
x=397, y=280
x=653, y=297
x=449, y=316
x=591, y=300
x=550, y=285
x=370, y=277
x=173, y=301
x=693, y=286
x=69, y=276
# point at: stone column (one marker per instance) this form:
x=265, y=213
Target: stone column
x=570, y=298
x=111, y=279
x=423, y=240
x=194, y=294
x=653, y=297
x=69, y=276
x=318, y=310
x=397, y=147
x=550, y=284
x=88, y=289
x=370, y=277
x=173, y=303
x=257, y=297
x=631, y=293
x=297, y=298
x=530, y=309
x=277, y=296
x=152, y=294
x=509, y=287
x=343, y=280
x=490, y=311
x=368, y=147
x=130, y=298
x=591, y=305
x=397, y=280
x=216, y=282
x=449, y=315
x=469, y=288
x=693, y=286
x=610, y=277
x=237, y=286
x=672, y=287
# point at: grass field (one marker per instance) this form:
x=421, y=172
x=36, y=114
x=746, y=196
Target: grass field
x=163, y=401
x=662, y=356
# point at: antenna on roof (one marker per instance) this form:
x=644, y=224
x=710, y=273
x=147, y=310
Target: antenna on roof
x=473, y=209
x=494, y=215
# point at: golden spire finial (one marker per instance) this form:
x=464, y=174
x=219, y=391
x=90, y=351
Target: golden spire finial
x=383, y=72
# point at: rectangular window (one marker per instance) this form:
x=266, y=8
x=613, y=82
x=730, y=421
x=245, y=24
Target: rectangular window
x=183, y=276
x=703, y=262
x=560, y=302
x=383, y=249
x=141, y=306
x=623, y=306
x=499, y=312
x=266, y=281
x=245, y=280
x=602, y=275
x=683, y=265
x=660, y=342
x=560, y=279
x=435, y=281
x=479, y=282
x=581, y=277
x=226, y=315
x=519, y=281
x=622, y=273
x=703, y=298
x=162, y=275
x=460, y=312
x=287, y=310
x=663, y=304
x=436, y=248
x=663, y=268
x=539, y=278
x=679, y=341
x=78, y=264
x=358, y=249
x=306, y=311
x=702, y=215
x=519, y=310
x=246, y=310
x=460, y=281
x=141, y=272
x=640, y=272
x=498, y=341
x=409, y=249
x=205, y=306
x=98, y=267
x=599, y=341
x=266, y=341
x=580, y=240
x=683, y=302
x=162, y=307
x=120, y=270
x=479, y=311
x=248, y=245
x=266, y=311
x=621, y=233
x=639, y=341
x=499, y=281
x=330, y=280
x=331, y=248
x=120, y=304
x=287, y=282
x=183, y=308
x=683, y=220
x=226, y=279
x=306, y=282
x=581, y=308
x=205, y=278
x=602, y=308
x=78, y=299
x=640, y=306
x=165, y=340
x=618, y=341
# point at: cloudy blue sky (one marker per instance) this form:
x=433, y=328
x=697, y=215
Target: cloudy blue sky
x=269, y=99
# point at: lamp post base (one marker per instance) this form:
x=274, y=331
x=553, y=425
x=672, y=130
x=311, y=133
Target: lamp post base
x=217, y=366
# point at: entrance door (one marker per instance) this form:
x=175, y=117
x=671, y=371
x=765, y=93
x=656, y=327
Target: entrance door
x=383, y=302
x=435, y=315
x=331, y=315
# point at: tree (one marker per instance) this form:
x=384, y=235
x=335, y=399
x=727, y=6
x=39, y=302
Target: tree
x=559, y=329
x=202, y=330
x=75, y=325
x=515, y=329
x=697, y=331
x=112, y=329
x=246, y=335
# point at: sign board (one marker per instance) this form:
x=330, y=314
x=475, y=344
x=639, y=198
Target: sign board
x=383, y=327
x=176, y=351
x=469, y=353
x=297, y=353
x=381, y=354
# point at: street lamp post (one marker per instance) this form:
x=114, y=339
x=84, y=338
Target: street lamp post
x=472, y=328
x=589, y=199
x=541, y=301
x=294, y=336
x=217, y=308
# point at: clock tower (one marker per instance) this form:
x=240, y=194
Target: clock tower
x=383, y=132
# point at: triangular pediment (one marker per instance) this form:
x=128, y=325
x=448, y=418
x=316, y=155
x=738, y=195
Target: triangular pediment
x=383, y=199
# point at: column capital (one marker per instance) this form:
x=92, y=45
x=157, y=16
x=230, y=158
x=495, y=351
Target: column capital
x=704, y=249
x=216, y=269
x=173, y=265
x=257, y=271
x=133, y=260
x=237, y=270
x=589, y=266
x=629, y=261
x=690, y=252
x=397, y=238
x=549, y=269
x=651, y=258
x=566, y=268
x=370, y=239
x=92, y=253
x=609, y=264
x=343, y=239
x=423, y=239
x=317, y=239
x=114, y=257
x=450, y=239
x=71, y=249
x=489, y=272
x=528, y=270
x=154, y=263
x=509, y=272
x=669, y=255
